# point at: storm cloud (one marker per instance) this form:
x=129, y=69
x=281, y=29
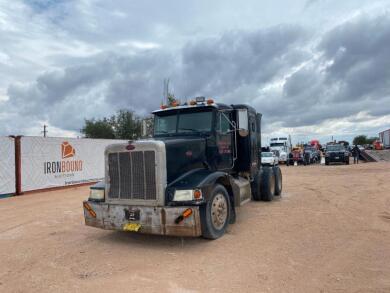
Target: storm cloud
x=296, y=75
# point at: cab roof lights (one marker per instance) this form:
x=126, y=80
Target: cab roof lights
x=197, y=101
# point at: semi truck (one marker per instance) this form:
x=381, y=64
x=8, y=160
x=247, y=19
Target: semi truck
x=202, y=163
x=281, y=146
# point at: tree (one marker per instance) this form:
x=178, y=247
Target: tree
x=360, y=140
x=371, y=140
x=98, y=129
x=124, y=125
x=127, y=125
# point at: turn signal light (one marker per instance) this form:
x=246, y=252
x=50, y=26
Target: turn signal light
x=185, y=214
x=197, y=194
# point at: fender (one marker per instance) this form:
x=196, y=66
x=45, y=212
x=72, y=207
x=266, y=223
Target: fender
x=203, y=179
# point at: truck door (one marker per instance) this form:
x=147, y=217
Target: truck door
x=224, y=140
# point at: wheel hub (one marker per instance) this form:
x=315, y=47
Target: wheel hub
x=219, y=211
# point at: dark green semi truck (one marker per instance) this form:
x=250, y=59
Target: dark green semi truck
x=203, y=162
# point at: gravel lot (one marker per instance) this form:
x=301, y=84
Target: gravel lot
x=330, y=232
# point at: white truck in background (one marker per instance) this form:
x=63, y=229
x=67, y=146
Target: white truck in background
x=384, y=137
x=281, y=146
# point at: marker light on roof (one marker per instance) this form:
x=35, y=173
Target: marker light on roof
x=200, y=99
x=210, y=101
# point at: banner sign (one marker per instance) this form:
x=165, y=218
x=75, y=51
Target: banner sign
x=7, y=165
x=55, y=162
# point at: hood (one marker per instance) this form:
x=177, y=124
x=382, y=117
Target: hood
x=183, y=155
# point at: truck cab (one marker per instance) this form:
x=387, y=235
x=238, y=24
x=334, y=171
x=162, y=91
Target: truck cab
x=188, y=180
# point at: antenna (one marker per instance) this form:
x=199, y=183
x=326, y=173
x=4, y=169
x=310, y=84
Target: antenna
x=166, y=90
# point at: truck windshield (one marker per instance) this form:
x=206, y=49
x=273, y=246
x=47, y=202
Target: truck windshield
x=183, y=123
x=334, y=148
x=275, y=144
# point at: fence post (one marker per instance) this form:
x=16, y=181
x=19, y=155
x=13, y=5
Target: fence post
x=18, y=166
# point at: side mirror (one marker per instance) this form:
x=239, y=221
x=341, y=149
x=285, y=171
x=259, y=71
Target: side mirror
x=147, y=127
x=242, y=120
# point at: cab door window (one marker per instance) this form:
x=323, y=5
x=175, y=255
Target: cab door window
x=224, y=140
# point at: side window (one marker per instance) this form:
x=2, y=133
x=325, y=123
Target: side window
x=223, y=124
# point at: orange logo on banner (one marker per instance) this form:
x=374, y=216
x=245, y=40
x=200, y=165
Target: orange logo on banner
x=67, y=150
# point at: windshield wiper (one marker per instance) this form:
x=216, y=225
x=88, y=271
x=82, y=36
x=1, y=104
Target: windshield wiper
x=191, y=129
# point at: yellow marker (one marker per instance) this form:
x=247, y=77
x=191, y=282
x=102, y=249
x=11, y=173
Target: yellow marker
x=133, y=227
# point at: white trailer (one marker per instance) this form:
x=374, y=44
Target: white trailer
x=384, y=137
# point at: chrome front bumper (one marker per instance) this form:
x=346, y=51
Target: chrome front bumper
x=152, y=220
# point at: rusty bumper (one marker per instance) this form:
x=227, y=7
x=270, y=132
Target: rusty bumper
x=151, y=220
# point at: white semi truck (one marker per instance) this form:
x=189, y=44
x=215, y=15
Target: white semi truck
x=281, y=146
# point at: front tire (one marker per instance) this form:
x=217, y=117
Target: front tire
x=215, y=214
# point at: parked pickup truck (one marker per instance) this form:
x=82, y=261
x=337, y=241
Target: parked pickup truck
x=269, y=158
x=336, y=153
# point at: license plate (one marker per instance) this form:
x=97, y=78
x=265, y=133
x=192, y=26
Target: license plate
x=132, y=227
x=132, y=214
x=337, y=158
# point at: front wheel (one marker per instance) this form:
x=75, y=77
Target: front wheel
x=214, y=216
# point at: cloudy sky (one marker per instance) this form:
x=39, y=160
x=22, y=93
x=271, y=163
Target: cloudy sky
x=314, y=68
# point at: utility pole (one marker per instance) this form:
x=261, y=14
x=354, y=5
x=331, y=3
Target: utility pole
x=44, y=130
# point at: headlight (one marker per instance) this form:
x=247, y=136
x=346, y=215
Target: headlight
x=187, y=195
x=96, y=194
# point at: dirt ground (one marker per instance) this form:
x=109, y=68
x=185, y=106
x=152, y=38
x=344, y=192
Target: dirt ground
x=330, y=232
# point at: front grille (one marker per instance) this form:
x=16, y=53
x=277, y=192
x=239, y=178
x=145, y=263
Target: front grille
x=132, y=175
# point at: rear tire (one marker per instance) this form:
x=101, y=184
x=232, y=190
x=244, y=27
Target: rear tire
x=267, y=184
x=256, y=187
x=215, y=214
x=278, y=180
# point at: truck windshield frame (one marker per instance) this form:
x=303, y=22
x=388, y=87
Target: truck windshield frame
x=182, y=122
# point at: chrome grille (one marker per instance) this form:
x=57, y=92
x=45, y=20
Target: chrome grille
x=132, y=175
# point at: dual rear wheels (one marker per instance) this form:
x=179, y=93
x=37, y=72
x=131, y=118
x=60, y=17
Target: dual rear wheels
x=267, y=184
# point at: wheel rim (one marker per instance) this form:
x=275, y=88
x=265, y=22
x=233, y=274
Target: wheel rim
x=219, y=211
